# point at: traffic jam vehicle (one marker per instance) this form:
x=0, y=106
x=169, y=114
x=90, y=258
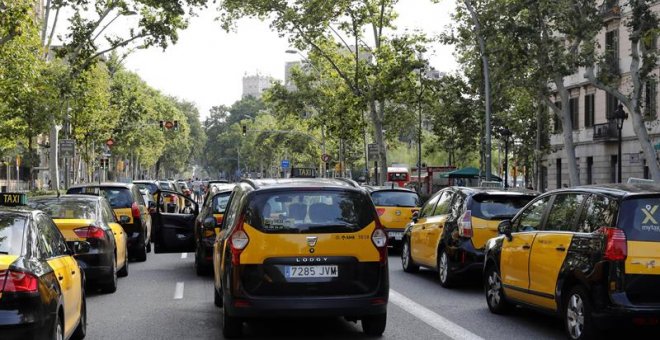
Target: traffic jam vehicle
x=300, y=248
x=91, y=219
x=208, y=226
x=450, y=231
x=42, y=292
x=586, y=254
x=395, y=207
x=125, y=200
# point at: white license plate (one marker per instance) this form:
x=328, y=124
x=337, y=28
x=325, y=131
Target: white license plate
x=397, y=235
x=297, y=272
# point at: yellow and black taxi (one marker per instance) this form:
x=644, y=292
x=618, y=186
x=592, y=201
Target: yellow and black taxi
x=125, y=200
x=42, y=292
x=91, y=219
x=208, y=226
x=450, y=231
x=590, y=255
x=298, y=248
x=395, y=207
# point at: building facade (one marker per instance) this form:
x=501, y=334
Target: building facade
x=594, y=136
x=255, y=85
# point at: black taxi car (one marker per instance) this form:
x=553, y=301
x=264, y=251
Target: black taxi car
x=450, y=231
x=42, y=292
x=208, y=226
x=301, y=247
x=587, y=254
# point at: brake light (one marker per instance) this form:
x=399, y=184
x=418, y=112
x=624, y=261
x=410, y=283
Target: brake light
x=380, y=211
x=218, y=220
x=135, y=210
x=238, y=241
x=465, y=225
x=17, y=282
x=616, y=248
x=379, y=239
x=89, y=232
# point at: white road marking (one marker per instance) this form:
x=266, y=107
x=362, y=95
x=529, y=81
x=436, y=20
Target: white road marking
x=431, y=318
x=184, y=255
x=178, y=291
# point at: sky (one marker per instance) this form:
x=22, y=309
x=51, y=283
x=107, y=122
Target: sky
x=207, y=64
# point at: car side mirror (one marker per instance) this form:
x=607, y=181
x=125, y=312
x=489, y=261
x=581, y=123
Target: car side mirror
x=78, y=247
x=210, y=222
x=415, y=216
x=505, y=228
x=123, y=219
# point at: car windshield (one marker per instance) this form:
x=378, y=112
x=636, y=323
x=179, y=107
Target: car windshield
x=220, y=202
x=66, y=208
x=640, y=219
x=118, y=197
x=395, y=199
x=323, y=211
x=12, y=228
x=497, y=207
x=165, y=186
x=150, y=187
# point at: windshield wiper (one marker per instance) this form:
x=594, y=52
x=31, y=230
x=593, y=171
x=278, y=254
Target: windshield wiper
x=501, y=217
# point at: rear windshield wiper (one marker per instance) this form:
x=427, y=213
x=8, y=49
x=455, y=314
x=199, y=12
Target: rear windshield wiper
x=501, y=217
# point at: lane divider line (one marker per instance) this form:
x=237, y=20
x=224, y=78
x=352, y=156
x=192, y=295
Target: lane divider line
x=432, y=318
x=184, y=255
x=178, y=291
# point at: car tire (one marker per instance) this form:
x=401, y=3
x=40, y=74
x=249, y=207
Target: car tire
x=58, y=328
x=200, y=268
x=446, y=277
x=577, y=315
x=232, y=327
x=109, y=286
x=495, y=299
x=148, y=246
x=217, y=298
x=406, y=258
x=141, y=253
x=374, y=325
x=123, y=272
x=81, y=331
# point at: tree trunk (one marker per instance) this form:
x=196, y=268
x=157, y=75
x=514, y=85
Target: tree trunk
x=54, y=157
x=567, y=132
x=379, y=138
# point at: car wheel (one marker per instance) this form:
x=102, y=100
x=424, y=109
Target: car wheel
x=200, y=268
x=81, y=330
x=447, y=279
x=123, y=272
x=217, y=298
x=58, y=329
x=141, y=254
x=495, y=298
x=110, y=285
x=577, y=315
x=406, y=258
x=232, y=327
x=374, y=325
x=148, y=246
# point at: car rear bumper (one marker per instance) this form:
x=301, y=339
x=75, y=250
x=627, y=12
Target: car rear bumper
x=96, y=266
x=464, y=259
x=307, y=307
x=135, y=236
x=30, y=321
x=609, y=316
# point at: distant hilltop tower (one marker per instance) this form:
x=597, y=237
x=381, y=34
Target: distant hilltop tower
x=255, y=85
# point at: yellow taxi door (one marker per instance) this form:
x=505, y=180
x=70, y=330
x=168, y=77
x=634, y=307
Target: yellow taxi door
x=418, y=235
x=550, y=248
x=120, y=243
x=434, y=228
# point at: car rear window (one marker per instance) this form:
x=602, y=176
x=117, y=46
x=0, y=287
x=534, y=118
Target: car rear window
x=497, y=207
x=395, y=199
x=165, y=186
x=322, y=211
x=150, y=187
x=118, y=197
x=220, y=202
x=12, y=228
x=62, y=209
x=640, y=218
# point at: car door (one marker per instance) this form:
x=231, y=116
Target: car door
x=550, y=247
x=514, y=258
x=174, y=232
x=117, y=231
x=220, y=245
x=417, y=228
x=434, y=227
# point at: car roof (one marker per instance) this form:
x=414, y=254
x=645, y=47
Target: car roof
x=387, y=188
x=18, y=210
x=293, y=183
x=497, y=191
x=71, y=197
x=104, y=184
x=615, y=189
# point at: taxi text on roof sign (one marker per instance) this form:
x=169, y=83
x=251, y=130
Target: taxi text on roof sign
x=12, y=199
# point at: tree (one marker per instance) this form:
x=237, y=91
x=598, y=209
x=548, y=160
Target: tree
x=16, y=16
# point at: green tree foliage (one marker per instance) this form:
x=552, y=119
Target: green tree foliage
x=16, y=16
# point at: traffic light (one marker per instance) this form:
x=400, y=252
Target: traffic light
x=162, y=124
x=244, y=130
x=176, y=125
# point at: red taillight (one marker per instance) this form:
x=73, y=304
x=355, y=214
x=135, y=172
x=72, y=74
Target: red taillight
x=135, y=210
x=18, y=282
x=616, y=248
x=238, y=241
x=465, y=225
x=379, y=239
x=89, y=232
x=218, y=220
x=380, y=211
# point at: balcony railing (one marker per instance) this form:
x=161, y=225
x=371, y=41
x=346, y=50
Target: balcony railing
x=606, y=132
x=610, y=10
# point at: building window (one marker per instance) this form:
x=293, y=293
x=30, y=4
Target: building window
x=574, y=108
x=610, y=105
x=646, y=171
x=589, y=109
x=650, y=103
x=590, y=167
x=612, y=51
x=558, y=165
x=556, y=122
x=613, y=169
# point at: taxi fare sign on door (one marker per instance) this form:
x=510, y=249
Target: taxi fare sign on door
x=12, y=199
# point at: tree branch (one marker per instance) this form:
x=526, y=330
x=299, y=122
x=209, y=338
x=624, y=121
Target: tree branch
x=122, y=44
x=589, y=74
x=348, y=47
x=52, y=32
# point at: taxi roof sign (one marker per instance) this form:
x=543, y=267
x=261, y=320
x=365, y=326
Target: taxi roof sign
x=9, y=199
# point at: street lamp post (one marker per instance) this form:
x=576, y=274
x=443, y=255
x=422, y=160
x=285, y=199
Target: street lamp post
x=506, y=133
x=619, y=116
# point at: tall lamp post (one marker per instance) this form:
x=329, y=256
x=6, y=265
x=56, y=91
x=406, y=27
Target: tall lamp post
x=506, y=133
x=619, y=116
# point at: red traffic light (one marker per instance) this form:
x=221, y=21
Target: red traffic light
x=169, y=125
x=110, y=142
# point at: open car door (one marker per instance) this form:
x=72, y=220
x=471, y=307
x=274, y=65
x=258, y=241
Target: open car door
x=173, y=223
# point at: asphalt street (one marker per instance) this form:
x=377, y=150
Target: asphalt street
x=162, y=298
